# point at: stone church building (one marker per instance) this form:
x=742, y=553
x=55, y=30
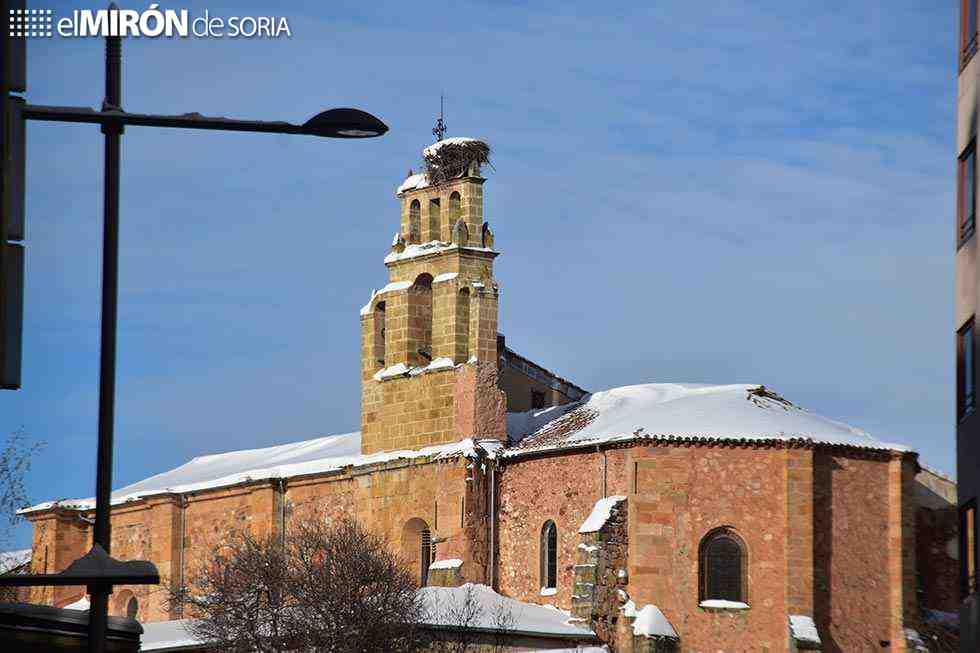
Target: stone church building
x=660, y=516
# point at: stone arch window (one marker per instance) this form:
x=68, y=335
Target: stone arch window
x=435, y=219
x=420, y=320
x=723, y=566
x=415, y=222
x=455, y=208
x=463, y=325
x=549, y=555
x=379, y=333
x=417, y=548
x=124, y=604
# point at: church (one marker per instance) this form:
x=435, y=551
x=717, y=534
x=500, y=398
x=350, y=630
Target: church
x=661, y=516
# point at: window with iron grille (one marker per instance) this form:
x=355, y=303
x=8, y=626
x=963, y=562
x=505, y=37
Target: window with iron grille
x=722, y=567
x=966, y=389
x=549, y=555
x=968, y=548
x=426, y=554
x=966, y=191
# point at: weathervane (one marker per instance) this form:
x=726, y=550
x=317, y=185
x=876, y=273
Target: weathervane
x=439, y=131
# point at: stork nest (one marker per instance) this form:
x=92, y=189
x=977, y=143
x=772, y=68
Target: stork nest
x=453, y=159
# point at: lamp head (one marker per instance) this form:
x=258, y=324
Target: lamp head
x=344, y=123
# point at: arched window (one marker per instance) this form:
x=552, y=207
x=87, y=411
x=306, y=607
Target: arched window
x=124, y=603
x=455, y=208
x=435, y=220
x=420, y=320
x=549, y=555
x=463, y=325
x=379, y=333
x=723, y=566
x=415, y=222
x=425, y=554
x=417, y=548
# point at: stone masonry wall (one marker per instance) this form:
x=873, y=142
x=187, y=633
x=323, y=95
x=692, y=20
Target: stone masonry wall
x=601, y=578
x=447, y=495
x=680, y=494
x=560, y=488
x=851, y=562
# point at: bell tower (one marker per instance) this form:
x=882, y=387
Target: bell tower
x=429, y=337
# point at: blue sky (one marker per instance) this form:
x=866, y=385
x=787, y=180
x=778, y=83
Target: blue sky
x=708, y=192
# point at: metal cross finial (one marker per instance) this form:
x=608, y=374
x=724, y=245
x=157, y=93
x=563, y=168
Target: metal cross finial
x=439, y=131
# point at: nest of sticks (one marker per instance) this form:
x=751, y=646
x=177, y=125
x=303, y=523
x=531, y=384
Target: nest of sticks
x=454, y=159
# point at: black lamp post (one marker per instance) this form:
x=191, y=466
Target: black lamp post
x=98, y=571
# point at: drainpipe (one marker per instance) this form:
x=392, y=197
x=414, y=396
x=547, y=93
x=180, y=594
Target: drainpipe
x=605, y=489
x=493, y=523
x=182, y=503
x=282, y=512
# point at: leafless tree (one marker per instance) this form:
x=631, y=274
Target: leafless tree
x=463, y=624
x=15, y=462
x=323, y=588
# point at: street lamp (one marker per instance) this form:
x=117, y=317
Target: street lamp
x=97, y=569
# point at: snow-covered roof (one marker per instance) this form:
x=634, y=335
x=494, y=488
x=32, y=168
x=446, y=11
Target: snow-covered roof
x=81, y=604
x=167, y=636
x=418, y=180
x=331, y=453
x=526, y=617
x=600, y=514
x=679, y=411
x=12, y=559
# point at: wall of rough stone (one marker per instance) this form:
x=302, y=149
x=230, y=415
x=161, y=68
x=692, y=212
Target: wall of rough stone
x=937, y=543
x=601, y=579
x=561, y=488
x=851, y=572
